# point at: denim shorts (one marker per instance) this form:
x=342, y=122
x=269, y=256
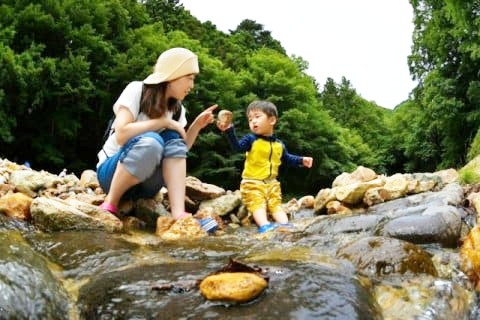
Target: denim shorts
x=142, y=156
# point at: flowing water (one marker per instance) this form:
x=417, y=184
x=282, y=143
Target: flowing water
x=96, y=275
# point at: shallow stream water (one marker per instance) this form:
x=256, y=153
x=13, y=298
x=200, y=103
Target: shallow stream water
x=97, y=275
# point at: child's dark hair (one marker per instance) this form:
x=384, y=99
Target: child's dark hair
x=265, y=106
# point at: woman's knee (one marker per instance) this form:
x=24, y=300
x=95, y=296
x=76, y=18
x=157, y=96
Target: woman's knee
x=176, y=148
x=149, y=148
x=144, y=156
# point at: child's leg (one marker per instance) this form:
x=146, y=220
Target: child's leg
x=280, y=217
x=274, y=202
x=260, y=217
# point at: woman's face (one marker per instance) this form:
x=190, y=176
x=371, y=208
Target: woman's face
x=180, y=88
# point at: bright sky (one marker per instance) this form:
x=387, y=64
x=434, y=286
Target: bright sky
x=366, y=41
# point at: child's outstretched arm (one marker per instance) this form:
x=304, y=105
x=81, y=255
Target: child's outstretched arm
x=224, y=124
x=242, y=145
x=293, y=160
x=307, y=162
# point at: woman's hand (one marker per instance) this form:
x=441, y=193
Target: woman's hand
x=175, y=126
x=205, y=118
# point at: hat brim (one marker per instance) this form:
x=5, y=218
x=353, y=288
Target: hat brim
x=155, y=78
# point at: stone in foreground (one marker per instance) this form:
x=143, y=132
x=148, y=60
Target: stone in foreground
x=237, y=287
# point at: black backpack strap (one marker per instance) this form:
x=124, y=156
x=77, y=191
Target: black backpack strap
x=109, y=131
x=178, y=113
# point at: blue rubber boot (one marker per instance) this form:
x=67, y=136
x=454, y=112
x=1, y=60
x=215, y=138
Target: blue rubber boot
x=267, y=227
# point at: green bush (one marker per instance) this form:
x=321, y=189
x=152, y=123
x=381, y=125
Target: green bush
x=470, y=173
x=474, y=149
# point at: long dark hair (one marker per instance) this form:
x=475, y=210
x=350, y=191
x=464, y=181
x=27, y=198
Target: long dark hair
x=154, y=103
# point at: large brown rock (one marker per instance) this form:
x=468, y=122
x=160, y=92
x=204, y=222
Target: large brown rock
x=198, y=190
x=88, y=179
x=186, y=228
x=223, y=204
x=360, y=174
x=16, y=205
x=53, y=214
x=30, y=182
x=323, y=197
x=470, y=256
x=353, y=193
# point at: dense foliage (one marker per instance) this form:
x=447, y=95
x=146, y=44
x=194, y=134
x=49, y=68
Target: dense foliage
x=444, y=116
x=63, y=64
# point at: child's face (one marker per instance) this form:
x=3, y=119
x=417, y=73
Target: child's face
x=260, y=123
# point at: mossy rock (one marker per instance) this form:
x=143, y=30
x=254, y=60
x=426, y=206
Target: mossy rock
x=470, y=173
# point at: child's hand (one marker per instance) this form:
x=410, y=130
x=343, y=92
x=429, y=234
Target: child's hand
x=307, y=162
x=222, y=126
x=224, y=120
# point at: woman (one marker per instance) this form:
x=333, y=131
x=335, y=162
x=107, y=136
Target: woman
x=148, y=147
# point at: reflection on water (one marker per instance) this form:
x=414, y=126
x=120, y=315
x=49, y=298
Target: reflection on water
x=296, y=291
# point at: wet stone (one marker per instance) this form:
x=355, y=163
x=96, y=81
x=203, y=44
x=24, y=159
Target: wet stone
x=28, y=288
x=84, y=253
x=382, y=256
x=435, y=225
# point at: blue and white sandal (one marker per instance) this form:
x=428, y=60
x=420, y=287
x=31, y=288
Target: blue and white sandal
x=210, y=225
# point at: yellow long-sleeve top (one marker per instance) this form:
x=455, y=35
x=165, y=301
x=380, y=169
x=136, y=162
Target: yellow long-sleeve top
x=264, y=155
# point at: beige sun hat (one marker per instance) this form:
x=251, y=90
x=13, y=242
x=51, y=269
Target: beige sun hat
x=172, y=64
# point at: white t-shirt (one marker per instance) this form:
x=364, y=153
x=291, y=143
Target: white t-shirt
x=130, y=98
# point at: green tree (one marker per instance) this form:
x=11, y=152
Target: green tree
x=55, y=72
x=445, y=59
x=254, y=36
x=364, y=119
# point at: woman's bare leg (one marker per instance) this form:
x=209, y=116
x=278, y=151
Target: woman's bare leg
x=174, y=172
x=122, y=181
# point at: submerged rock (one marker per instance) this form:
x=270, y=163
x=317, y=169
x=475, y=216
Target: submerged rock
x=382, y=256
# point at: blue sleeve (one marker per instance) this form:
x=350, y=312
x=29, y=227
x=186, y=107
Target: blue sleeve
x=242, y=145
x=291, y=160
